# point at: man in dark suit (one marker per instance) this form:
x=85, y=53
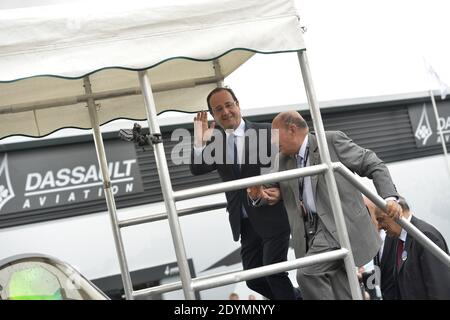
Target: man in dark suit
x=384, y=262
x=235, y=152
x=417, y=272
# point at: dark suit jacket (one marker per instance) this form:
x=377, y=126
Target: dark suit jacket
x=422, y=275
x=268, y=221
x=388, y=285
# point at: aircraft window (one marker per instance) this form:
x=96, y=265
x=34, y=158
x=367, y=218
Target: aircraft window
x=35, y=283
x=44, y=278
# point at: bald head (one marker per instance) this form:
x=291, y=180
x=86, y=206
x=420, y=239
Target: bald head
x=291, y=118
x=289, y=130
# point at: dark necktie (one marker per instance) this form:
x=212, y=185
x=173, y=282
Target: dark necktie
x=300, y=164
x=232, y=154
x=232, y=159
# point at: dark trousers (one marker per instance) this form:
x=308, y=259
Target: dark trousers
x=256, y=252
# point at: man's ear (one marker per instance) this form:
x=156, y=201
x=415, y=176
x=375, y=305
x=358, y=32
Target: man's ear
x=292, y=128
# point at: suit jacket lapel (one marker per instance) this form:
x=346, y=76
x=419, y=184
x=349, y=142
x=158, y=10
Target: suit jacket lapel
x=387, y=248
x=291, y=163
x=314, y=158
x=246, y=152
x=407, y=247
x=405, y=253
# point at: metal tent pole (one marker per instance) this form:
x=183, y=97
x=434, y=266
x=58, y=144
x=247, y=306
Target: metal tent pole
x=444, y=147
x=218, y=72
x=101, y=156
x=329, y=176
x=166, y=186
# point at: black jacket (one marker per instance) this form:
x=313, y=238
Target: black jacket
x=267, y=221
x=422, y=275
x=388, y=286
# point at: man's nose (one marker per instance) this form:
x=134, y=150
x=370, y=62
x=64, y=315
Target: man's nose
x=225, y=112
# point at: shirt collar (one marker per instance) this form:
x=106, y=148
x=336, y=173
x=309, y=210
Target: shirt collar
x=403, y=234
x=383, y=238
x=382, y=233
x=302, y=150
x=240, y=130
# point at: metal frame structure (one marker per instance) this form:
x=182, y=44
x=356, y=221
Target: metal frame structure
x=441, y=134
x=140, y=37
x=190, y=285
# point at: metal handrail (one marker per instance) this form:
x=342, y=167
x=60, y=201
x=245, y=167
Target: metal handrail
x=216, y=280
x=163, y=215
x=270, y=269
x=220, y=279
x=248, y=182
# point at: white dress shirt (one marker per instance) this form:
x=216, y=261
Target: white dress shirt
x=308, y=194
x=239, y=134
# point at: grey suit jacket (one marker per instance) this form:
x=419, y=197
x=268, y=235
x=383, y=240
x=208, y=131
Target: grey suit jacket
x=364, y=239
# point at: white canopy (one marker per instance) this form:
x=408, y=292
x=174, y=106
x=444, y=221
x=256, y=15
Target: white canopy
x=188, y=46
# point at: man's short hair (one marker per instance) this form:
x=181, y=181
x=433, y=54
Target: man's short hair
x=402, y=202
x=218, y=89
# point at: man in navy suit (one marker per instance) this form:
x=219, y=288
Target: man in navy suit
x=409, y=270
x=384, y=262
x=264, y=232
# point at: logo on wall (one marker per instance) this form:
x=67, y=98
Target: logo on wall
x=6, y=190
x=427, y=129
x=64, y=175
x=424, y=130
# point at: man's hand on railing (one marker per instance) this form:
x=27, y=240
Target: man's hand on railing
x=393, y=209
x=271, y=195
x=262, y=196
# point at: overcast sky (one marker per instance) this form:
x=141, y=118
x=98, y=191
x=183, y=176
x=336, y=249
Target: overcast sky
x=356, y=48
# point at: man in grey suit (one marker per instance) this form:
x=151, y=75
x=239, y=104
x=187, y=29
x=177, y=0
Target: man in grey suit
x=308, y=206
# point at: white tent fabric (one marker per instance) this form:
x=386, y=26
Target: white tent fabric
x=45, y=52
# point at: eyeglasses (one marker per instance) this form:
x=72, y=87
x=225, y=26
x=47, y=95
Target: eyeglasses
x=227, y=105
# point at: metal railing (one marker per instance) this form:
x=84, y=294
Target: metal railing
x=211, y=281
x=162, y=215
x=229, y=277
